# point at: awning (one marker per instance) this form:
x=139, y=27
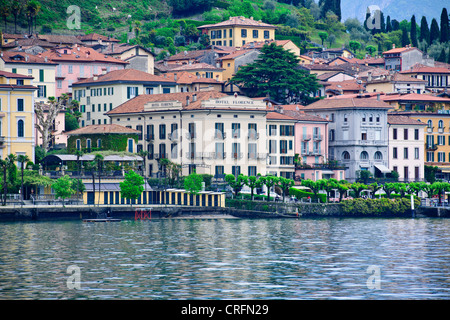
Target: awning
x=382, y=168
x=327, y=172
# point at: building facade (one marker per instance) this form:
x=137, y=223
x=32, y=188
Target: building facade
x=358, y=133
x=237, y=31
x=16, y=115
x=102, y=93
x=406, y=147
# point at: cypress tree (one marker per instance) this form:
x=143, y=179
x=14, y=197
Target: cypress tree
x=383, y=24
x=413, y=31
x=434, y=31
x=405, y=38
x=388, y=24
x=337, y=8
x=444, y=26
x=424, y=30
x=442, y=56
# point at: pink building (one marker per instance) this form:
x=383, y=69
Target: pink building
x=77, y=63
x=311, y=146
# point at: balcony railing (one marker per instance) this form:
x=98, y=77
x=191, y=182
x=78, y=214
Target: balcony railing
x=253, y=136
x=160, y=156
x=237, y=155
x=431, y=146
x=219, y=155
x=149, y=137
x=318, y=137
x=306, y=137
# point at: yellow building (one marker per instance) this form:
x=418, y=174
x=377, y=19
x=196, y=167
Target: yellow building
x=237, y=31
x=16, y=115
x=201, y=70
x=40, y=68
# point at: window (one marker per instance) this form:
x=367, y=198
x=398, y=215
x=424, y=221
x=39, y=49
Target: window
x=41, y=75
x=416, y=153
x=130, y=145
x=405, y=134
x=266, y=34
x=191, y=129
x=236, y=150
x=162, y=131
x=440, y=124
x=132, y=92
x=78, y=144
x=236, y=130
x=20, y=104
x=394, y=134
x=70, y=69
x=378, y=156
x=430, y=156
x=272, y=146
x=236, y=170
x=219, y=130
x=20, y=129
x=416, y=134
x=345, y=155
x=243, y=33
x=42, y=91
x=364, y=118
x=363, y=135
x=364, y=156
x=252, y=171
x=99, y=143
x=148, y=90
x=283, y=146
x=255, y=34
x=59, y=84
x=174, y=151
x=430, y=124
x=332, y=135
x=441, y=156
x=88, y=145
x=272, y=130
x=441, y=140
x=405, y=153
x=345, y=118
x=394, y=153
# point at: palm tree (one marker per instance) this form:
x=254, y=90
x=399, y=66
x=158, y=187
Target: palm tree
x=99, y=160
x=23, y=159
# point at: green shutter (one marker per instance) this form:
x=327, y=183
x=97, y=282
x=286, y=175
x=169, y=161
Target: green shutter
x=41, y=75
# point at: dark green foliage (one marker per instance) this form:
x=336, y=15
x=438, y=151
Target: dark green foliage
x=109, y=142
x=442, y=56
x=301, y=194
x=444, y=26
x=405, y=37
x=413, y=33
x=273, y=74
x=424, y=30
x=434, y=31
x=378, y=207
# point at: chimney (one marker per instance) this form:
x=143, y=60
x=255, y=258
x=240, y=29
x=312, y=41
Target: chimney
x=112, y=47
x=103, y=70
x=187, y=100
x=194, y=97
x=369, y=77
x=393, y=46
x=175, y=77
x=45, y=59
x=378, y=97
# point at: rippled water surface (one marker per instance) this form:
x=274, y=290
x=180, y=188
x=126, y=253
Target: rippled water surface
x=228, y=259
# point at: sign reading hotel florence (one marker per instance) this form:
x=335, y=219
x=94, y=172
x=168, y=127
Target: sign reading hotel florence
x=238, y=102
x=163, y=105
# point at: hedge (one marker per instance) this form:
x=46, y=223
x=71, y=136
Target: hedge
x=299, y=194
x=378, y=207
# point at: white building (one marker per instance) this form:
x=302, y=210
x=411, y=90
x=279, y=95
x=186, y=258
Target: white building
x=406, y=147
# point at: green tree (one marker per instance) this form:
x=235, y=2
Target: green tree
x=445, y=28
x=434, y=31
x=274, y=74
x=98, y=159
x=354, y=45
x=193, y=183
x=16, y=8
x=413, y=31
x=371, y=49
x=78, y=186
x=253, y=182
x=315, y=186
x=323, y=36
x=388, y=24
x=405, y=37
x=424, y=30
x=132, y=186
x=63, y=188
x=236, y=183
x=285, y=184
x=388, y=188
x=269, y=181
x=374, y=187
x=442, y=56
x=358, y=187
x=343, y=186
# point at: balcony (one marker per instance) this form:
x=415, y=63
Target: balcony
x=318, y=137
x=252, y=156
x=160, y=156
x=237, y=155
x=195, y=155
x=262, y=156
x=219, y=155
x=149, y=137
x=306, y=137
x=431, y=146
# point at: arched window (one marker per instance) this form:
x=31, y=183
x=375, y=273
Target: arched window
x=331, y=138
x=371, y=118
x=364, y=117
x=364, y=156
x=378, y=155
x=430, y=124
x=345, y=155
x=20, y=128
x=440, y=124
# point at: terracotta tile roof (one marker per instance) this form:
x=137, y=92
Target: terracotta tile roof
x=235, y=54
x=96, y=37
x=136, y=105
x=188, y=55
x=296, y=112
x=260, y=44
x=102, y=129
x=196, y=66
x=7, y=74
x=370, y=61
x=346, y=85
x=59, y=39
x=403, y=120
x=414, y=97
x=397, y=77
x=420, y=68
x=29, y=43
x=12, y=56
x=184, y=77
x=125, y=75
x=328, y=75
x=278, y=116
x=80, y=54
x=238, y=21
x=13, y=36
x=400, y=50
x=333, y=103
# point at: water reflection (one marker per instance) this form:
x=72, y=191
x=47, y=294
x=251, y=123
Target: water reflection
x=226, y=259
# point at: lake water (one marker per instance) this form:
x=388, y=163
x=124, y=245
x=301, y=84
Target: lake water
x=226, y=259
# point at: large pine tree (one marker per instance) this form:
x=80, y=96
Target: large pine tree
x=444, y=26
x=413, y=31
x=434, y=31
x=276, y=74
x=424, y=30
